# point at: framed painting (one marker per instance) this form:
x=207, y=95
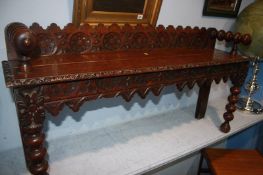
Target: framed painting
x=116, y=11
x=223, y=8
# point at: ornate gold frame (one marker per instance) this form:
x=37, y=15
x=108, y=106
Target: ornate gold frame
x=83, y=13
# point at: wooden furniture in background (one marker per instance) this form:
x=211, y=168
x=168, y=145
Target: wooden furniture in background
x=232, y=162
x=48, y=69
x=115, y=11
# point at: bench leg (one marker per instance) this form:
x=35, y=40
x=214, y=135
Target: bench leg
x=230, y=108
x=31, y=116
x=202, y=99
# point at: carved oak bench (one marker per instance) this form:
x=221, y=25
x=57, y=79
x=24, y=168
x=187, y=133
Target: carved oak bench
x=50, y=68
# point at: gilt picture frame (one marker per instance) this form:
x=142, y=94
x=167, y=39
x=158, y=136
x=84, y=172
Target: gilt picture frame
x=222, y=8
x=116, y=11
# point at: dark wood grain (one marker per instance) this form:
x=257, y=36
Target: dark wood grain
x=52, y=68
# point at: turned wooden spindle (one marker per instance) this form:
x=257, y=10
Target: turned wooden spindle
x=229, y=36
x=246, y=39
x=33, y=140
x=235, y=38
x=230, y=108
x=236, y=41
x=221, y=35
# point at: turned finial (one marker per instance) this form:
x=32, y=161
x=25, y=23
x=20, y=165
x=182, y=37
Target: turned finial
x=229, y=36
x=246, y=39
x=236, y=38
x=22, y=39
x=236, y=41
x=221, y=35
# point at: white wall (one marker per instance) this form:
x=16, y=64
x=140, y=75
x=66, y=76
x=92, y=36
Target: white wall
x=189, y=13
x=26, y=11
x=103, y=112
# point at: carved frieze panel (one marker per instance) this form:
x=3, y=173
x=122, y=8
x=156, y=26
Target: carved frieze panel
x=56, y=41
x=75, y=93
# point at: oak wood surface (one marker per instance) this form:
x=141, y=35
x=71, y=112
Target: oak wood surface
x=105, y=64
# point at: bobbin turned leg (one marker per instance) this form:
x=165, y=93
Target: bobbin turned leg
x=230, y=108
x=31, y=115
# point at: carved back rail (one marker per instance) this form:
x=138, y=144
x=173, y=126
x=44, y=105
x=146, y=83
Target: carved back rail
x=24, y=43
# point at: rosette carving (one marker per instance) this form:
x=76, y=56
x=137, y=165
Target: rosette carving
x=112, y=41
x=163, y=40
x=56, y=41
x=61, y=42
x=47, y=44
x=79, y=42
x=139, y=40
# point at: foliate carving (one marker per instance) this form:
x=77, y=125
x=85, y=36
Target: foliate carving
x=61, y=39
x=56, y=41
x=23, y=41
x=163, y=40
x=139, y=40
x=79, y=42
x=182, y=40
x=30, y=107
x=112, y=41
x=31, y=115
x=47, y=44
x=74, y=94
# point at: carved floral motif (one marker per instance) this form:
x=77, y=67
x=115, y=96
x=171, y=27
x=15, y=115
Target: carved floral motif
x=79, y=42
x=47, y=44
x=74, y=94
x=163, y=40
x=112, y=41
x=23, y=42
x=30, y=107
x=139, y=40
x=31, y=115
x=56, y=41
